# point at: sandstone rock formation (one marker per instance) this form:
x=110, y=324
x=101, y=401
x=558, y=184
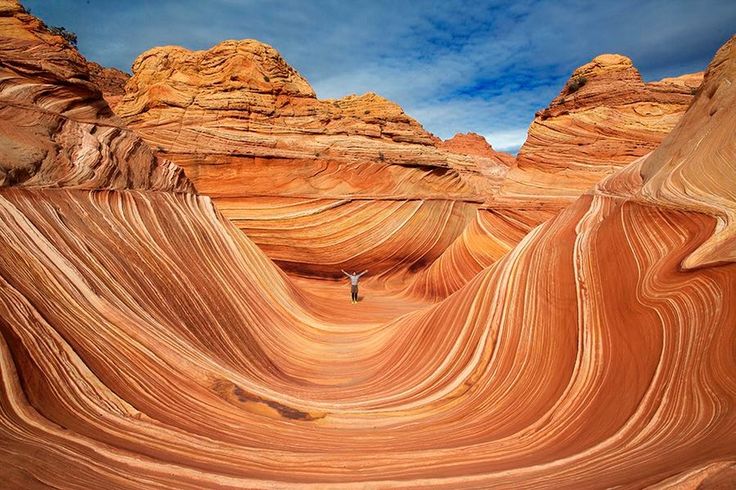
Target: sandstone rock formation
x=280, y=163
x=603, y=119
x=250, y=132
x=145, y=342
x=56, y=129
x=476, y=145
x=110, y=81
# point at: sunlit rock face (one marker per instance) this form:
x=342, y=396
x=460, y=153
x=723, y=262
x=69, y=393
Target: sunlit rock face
x=56, y=128
x=476, y=145
x=146, y=342
x=603, y=119
x=279, y=162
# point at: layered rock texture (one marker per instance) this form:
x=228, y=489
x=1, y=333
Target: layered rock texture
x=110, y=81
x=146, y=342
x=250, y=132
x=603, y=119
x=55, y=128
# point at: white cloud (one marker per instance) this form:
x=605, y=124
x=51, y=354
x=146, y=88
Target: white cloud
x=508, y=140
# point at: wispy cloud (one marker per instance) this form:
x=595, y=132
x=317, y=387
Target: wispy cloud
x=455, y=66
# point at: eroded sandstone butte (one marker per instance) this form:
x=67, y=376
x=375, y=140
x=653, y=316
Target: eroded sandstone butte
x=280, y=163
x=604, y=118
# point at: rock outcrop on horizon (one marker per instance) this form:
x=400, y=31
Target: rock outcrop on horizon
x=146, y=342
x=603, y=119
x=279, y=162
x=476, y=145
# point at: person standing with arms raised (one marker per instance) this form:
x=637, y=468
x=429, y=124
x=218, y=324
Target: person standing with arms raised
x=354, y=278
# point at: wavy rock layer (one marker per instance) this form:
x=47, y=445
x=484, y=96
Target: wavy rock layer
x=250, y=132
x=237, y=383
x=145, y=342
x=55, y=127
x=612, y=364
x=488, y=237
x=317, y=236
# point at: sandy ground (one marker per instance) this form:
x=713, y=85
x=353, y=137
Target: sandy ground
x=375, y=305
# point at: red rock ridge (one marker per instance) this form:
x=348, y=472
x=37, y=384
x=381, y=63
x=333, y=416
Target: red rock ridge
x=110, y=81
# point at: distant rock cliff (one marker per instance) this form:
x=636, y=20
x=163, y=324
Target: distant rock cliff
x=110, y=81
x=476, y=145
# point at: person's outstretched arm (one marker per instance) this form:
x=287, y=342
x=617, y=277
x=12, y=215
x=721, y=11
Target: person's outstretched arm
x=362, y=272
x=345, y=273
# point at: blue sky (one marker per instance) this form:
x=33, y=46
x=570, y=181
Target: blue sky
x=455, y=66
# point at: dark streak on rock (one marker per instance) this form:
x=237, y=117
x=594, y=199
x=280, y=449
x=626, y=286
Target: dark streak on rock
x=283, y=410
x=244, y=397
